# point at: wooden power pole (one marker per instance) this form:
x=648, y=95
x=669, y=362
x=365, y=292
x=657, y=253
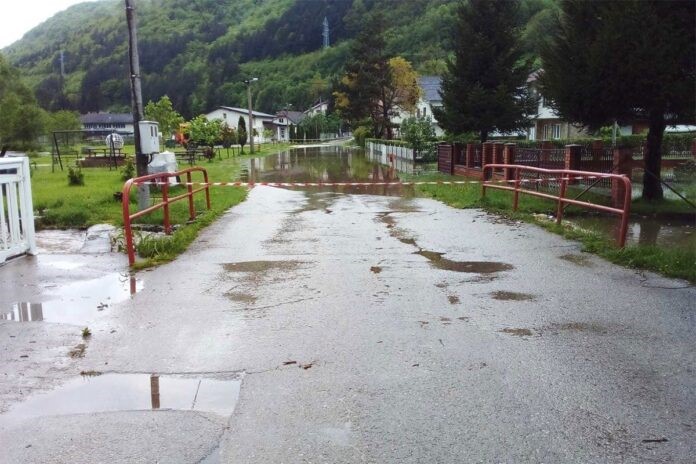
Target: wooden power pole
x=141, y=160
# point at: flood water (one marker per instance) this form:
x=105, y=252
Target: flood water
x=679, y=233
x=76, y=302
x=328, y=164
x=93, y=393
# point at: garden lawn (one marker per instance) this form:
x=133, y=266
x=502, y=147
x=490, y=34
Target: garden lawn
x=62, y=206
x=672, y=262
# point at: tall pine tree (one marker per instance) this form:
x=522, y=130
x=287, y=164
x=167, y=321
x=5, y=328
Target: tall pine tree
x=485, y=88
x=622, y=61
x=367, y=74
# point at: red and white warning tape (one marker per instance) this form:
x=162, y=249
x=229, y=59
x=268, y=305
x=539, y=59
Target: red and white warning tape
x=367, y=184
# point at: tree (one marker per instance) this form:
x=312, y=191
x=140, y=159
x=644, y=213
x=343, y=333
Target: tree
x=204, y=132
x=366, y=76
x=62, y=120
x=164, y=113
x=419, y=133
x=484, y=89
x=241, y=132
x=618, y=61
x=21, y=120
x=228, y=135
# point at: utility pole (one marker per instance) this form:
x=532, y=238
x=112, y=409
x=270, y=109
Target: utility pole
x=136, y=102
x=325, y=32
x=250, y=130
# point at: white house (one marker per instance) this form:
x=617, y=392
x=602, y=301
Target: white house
x=430, y=98
x=283, y=121
x=319, y=107
x=106, y=123
x=230, y=115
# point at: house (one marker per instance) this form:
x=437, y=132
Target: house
x=430, y=98
x=106, y=123
x=319, y=107
x=230, y=115
x=284, y=120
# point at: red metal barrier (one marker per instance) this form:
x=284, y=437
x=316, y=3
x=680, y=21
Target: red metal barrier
x=161, y=179
x=565, y=176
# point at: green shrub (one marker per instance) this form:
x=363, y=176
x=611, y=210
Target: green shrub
x=128, y=171
x=360, y=133
x=75, y=176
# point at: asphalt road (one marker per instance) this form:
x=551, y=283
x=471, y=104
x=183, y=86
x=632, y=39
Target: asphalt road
x=361, y=328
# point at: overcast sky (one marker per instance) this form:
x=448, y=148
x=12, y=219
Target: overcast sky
x=20, y=16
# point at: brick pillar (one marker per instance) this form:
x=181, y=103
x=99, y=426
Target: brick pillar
x=457, y=149
x=470, y=147
x=545, y=153
x=509, y=158
x=597, y=149
x=572, y=159
x=623, y=164
x=487, y=156
x=498, y=154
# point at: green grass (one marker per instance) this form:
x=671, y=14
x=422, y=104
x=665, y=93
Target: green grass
x=61, y=206
x=672, y=262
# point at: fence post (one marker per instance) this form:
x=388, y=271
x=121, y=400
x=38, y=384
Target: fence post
x=509, y=158
x=693, y=149
x=622, y=164
x=487, y=158
x=572, y=159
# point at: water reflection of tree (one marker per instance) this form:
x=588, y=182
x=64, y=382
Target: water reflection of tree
x=649, y=231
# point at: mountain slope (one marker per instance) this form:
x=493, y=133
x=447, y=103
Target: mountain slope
x=199, y=51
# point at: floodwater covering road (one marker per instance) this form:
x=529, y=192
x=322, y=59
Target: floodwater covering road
x=360, y=326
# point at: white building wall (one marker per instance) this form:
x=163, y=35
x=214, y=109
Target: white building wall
x=232, y=118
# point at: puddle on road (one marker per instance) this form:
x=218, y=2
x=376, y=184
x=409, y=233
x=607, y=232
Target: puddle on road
x=241, y=297
x=517, y=332
x=512, y=296
x=129, y=392
x=261, y=266
x=580, y=260
x=479, y=267
x=76, y=302
x=588, y=327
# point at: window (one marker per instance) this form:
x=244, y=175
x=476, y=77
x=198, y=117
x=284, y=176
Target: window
x=556, y=131
x=425, y=112
x=224, y=115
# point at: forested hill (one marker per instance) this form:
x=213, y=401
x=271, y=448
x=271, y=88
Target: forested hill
x=199, y=51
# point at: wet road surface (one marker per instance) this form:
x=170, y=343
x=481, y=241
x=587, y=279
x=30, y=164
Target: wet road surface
x=364, y=328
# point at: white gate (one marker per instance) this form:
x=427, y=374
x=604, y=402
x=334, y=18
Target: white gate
x=16, y=210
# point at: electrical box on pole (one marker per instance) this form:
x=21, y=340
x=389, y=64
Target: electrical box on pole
x=149, y=137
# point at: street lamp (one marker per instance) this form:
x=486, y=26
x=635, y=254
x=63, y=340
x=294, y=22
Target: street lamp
x=251, y=115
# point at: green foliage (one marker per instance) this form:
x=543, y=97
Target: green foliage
x=203, y=132
x=629, y=59
x=228, y=135
x=86, y=333
x=419, y=133
x=242, y=132
x=166, y=116
x=361, y=133
x=62, y=120
x=311, y=127
x=128, y=171
x=21, y=120
x=485, y=88
x=75, y=176
x=198, y=52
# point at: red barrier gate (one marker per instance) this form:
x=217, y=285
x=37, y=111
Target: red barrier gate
x=564, y=176
x=161, y=179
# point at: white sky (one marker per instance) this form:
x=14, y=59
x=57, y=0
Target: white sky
x=20, y=16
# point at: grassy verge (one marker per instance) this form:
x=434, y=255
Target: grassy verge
x=672, y=262
x=60, y=206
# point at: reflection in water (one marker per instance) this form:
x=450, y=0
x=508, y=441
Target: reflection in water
x=680, y=233
x=77, y=302
x=129, y=392
x=329, y=164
